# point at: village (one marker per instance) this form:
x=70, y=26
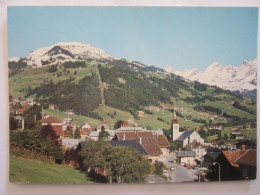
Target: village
x=191, y=160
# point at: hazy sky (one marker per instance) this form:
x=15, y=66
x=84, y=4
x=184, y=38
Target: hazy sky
x=183, y=37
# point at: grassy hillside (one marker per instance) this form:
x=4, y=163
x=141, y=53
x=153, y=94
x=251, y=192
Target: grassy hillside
x=77, y=119
x=127, y=91
x=26, y=171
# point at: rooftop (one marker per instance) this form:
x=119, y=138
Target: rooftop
x=231, y=156
x=248, y=158
x=186, y=154
x=184, y=135
x=50, y=119
x=130, y=143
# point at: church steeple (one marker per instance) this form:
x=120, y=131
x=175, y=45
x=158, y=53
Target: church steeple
x=175, y=127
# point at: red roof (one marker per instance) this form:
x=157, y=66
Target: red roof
x=58, y=130
x=147, y=140
x=22, y=109
x=50, y=119
x=162, y=141
x=175, y=121
x=231, y=156
x=248, y=158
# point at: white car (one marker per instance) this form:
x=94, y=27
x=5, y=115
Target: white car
x=172, y=169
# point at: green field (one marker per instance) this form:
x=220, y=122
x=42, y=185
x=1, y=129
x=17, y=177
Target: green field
x=77, y=119
x=106, y=112
x=27, y=171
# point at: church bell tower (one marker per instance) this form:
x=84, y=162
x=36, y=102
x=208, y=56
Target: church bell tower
x=175, y=127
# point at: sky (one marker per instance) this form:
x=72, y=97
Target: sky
x=183, y=37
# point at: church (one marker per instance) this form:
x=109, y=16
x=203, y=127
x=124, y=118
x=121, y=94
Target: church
x=185, y=137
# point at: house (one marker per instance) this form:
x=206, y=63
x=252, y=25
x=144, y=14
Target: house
x=70, y=112
x=127, y=128
x=236, y=135
x=247, y=144
x=163, y=143
x=228, y=169
x=199, y=149
x=94, y=135
x=247, y=165
x=103, y=125
x=85, y=132
x=140, y=113
x=24, y=103
x=53, y=107
x=21, y=111
x=85, y=126
x=186, y=158
x=185, y=137
x=131, y=144
x=146, y=139
x=210, y=158
x=70, y=143
x=31, y=101
x=67, y=121
x=50, y=121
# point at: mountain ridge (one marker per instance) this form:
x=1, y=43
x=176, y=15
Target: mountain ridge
x=233, y=78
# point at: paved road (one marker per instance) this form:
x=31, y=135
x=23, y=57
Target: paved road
x=181, y=174
x=156, y=179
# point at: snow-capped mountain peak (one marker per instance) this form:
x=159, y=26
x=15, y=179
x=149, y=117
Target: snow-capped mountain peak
x=230, y=77
x=66, y=51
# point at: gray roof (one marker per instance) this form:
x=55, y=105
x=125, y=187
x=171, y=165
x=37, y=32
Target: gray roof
x=130, y=143
x=186, y=154
x=213, y=155
x=130, y=128
x=96, y=133
x=70, y=143
x=184, y=135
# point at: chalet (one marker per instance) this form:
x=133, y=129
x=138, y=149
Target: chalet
x=24, y=103
x=104, y=125
x=186, y=158
x=67, y=121
x=70, y=112
x=21, y=111
x=51, y=121
x=53, y=107
x=85, y=132
x=94, y=135
x=199, y=149
x=228, y=169
x=247, y=144
x=146, y=139
x=127, y=128
x=31, y=101
x=85, y=126
x=237, y=136
x=247, y=165
x=140, y=113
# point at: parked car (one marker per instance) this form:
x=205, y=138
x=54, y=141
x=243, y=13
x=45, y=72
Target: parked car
x=172, y=169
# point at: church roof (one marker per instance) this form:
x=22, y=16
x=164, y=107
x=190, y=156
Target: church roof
x=175, y=121
x=184, y=135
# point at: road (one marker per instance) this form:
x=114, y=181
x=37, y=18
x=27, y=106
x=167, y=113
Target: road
x=181, y=174
x=156, y=179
